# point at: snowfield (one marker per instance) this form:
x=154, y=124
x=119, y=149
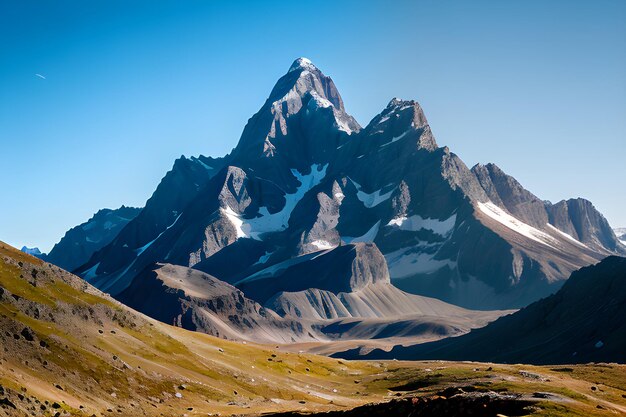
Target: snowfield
x=415, y=223
x=504, y=218
x=275, y=222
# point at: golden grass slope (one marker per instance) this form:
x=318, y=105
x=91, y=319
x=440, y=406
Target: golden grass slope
x=68, y=349
x=90, y=354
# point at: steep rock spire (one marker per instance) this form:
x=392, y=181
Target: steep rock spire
x=303, y=91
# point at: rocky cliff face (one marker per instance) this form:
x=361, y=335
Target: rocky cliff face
x=305, y=178
x=580, y=219
x=504, y=191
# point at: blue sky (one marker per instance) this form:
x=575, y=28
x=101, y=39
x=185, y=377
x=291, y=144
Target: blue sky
x=538, y=87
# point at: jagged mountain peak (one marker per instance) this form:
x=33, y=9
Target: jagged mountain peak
x=303, y=77
x=402, y=120
x=489, y=166
x=81, y=242
x=399, y=105
x=301, y=64
x=301, y=121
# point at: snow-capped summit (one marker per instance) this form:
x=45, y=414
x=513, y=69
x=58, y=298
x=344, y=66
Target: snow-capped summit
x=302, y=63
x=303, y=117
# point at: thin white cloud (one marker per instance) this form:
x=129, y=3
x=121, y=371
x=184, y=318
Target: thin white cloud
x=40, y=76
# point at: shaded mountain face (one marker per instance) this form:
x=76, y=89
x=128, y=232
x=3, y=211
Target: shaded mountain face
x=343, y=294
x=305, y=179
x=82, y=241
x=580, y=323
x=194, y=300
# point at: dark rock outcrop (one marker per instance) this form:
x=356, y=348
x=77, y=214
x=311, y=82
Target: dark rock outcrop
x=470, y=404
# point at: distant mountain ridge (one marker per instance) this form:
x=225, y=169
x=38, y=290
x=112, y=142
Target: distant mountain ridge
x=82, y=241
x=31, y=251
x=306, y=180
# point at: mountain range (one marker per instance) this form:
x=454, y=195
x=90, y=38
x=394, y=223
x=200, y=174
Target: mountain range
x=315, y=228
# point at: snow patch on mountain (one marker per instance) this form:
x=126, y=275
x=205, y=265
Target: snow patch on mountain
x=398, y=104
x=370, y=200
x=343, y=124
x=383, y=120
x=415, y=223
x=567, y=236
x=407, y=262
x=322, y=244
x=302, y=63
x=320, y=101
x=235, y=220
x=202, y=164
x=264, y=258
x=504, y=218
x=395, y=139
x=275, y=222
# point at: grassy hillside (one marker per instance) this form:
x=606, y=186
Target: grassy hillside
x=68, y=349
x=80, y=348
